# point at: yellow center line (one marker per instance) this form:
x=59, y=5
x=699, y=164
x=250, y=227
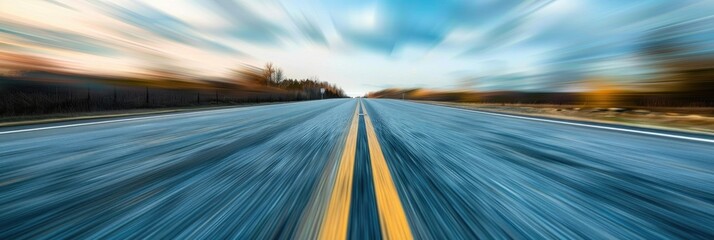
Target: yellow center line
x=392, y=219
x=336, y=218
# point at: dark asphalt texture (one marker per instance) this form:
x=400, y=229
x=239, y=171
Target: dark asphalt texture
x=262, y=173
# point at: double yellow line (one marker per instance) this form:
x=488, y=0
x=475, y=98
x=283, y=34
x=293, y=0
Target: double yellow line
x=392, y=219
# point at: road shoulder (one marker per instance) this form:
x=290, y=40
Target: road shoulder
x=629, y=126
x=109, y=115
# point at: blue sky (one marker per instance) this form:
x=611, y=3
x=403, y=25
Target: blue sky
x=362, y=46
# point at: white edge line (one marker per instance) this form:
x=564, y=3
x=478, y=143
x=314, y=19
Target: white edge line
x=132, y=119
x=586, y=125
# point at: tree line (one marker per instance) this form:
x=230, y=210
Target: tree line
x=273, y=76
x=40, y=92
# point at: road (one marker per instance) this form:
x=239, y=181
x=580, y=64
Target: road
x=349, y=168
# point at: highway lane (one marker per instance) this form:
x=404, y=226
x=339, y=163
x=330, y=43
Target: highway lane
x=348, y=168
x=463, y=174
x=243, y=173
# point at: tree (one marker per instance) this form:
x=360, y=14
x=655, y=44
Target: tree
x=268, y=73
x=279, y=75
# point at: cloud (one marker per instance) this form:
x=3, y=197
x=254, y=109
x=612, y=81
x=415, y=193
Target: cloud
x=366, y=44
x=246, y=23
x=155, y=21
x=310, y=29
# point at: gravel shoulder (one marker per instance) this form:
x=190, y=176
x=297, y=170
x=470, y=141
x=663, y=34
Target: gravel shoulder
x=695, y=120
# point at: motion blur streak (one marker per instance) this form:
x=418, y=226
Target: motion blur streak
x=334, y=224
x=245, y=174
x=391, y=214
x=663, y=47
x=268, y=172
x=466, y=175
x=698, y=139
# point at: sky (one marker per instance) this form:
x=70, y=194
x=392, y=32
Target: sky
x=360, y=45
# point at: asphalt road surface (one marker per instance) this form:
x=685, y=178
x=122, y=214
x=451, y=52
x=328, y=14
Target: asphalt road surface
x=352, y=169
